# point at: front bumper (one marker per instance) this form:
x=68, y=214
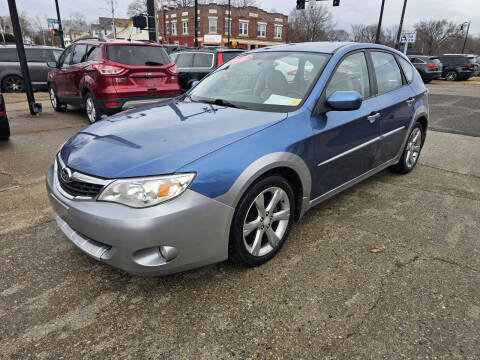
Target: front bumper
x=196, y=226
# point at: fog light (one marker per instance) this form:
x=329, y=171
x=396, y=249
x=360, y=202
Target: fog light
x=168, y=252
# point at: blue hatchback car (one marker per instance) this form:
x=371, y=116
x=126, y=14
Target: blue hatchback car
x=224, y=170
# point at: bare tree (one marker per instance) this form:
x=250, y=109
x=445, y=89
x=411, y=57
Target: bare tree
x=437, y=36
x=75, y=20
x=137, y=7
x=314, y=23
x=364, y=33
x=244, y=3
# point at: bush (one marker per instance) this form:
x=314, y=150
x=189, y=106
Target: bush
x=9, y=38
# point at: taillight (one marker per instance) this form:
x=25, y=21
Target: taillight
x=2, y=113
x=431, y=66
x=219, y=59
x=108, y=69
x=173, y=70
x=469, y=66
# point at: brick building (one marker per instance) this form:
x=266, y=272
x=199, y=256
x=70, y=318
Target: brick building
x=251, y=27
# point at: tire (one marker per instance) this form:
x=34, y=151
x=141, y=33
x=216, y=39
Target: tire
x=426, y=81
x=412, y=150
x=56, y=104
x=451, y=76
x=12, y=83
x=91, y=109
x=4, y=130
x=255, y=235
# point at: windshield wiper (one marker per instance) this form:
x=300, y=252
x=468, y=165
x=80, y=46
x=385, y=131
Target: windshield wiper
x=152, y=63
x=221, y=102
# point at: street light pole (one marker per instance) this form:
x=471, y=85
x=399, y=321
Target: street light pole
x=466, y=37
x=397, y=43
x=196, y=23
x=60, y=30
x=377, y=38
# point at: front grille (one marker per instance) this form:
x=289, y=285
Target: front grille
x=78, y=188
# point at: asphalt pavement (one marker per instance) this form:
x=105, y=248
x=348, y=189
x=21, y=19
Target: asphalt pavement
x=324, y=296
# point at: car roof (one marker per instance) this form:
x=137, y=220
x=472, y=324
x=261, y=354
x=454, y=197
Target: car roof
x=98, y=41
x=211, y=49
x=9, y=46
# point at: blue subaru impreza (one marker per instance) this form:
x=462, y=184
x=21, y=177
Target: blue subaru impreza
x=224, y=170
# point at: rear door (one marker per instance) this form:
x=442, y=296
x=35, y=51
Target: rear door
x=74, y=72
x=346, y=143
x=146, y=71
x=184, y=62
x=396, y=101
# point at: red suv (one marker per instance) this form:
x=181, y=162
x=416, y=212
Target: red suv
x=108, y=76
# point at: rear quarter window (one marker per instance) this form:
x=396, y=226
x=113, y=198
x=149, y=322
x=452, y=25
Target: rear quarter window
x=184, y=60
x=8, y=55
x=407, y=69
x=202, y=60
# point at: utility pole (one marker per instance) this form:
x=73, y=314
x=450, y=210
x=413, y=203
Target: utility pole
x=466, y=36
x=397, y=43
x=152, y=31
x=229, y=22
x=113, y=19
x=34, y=107
x=379, y=26
x=62, y=41
x=196, y=23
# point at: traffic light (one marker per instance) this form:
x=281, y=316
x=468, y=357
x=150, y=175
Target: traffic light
x=336, y=2
x=56, y=32
x=300, y=4
x=140, y=21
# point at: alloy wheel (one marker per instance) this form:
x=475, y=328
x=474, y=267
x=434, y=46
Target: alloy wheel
x=266, y=221
x=412, y=149
x=53, y=98
x=90, y=109
x=13, y=84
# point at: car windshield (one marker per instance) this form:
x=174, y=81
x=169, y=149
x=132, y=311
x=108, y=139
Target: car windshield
x=137, y=54
x=265, y=81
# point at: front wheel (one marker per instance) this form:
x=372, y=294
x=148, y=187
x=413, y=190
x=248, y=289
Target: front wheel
x=91, y=109
x=411, y=152
x=262, y=221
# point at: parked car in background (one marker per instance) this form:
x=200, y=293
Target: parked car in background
x=4, y=126
x=11, y=78
x=106, y=77
x=194, y=64
x=456, y=67
x=429, y=67
x=172, y=48
x=225, y=170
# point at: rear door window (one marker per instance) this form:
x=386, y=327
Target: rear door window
x=203, y=60
x=8, y=55
x=387, y=72
x=39, y=55
x=184, y=60
x=137, y=55
x=93, y=53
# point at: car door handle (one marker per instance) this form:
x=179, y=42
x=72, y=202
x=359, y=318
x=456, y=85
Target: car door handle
x=410, y=101
x=373, y=117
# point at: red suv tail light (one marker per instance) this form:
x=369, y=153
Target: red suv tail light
x=468, y=65
x=173, y=70
x=108, y=69
x=431, y=66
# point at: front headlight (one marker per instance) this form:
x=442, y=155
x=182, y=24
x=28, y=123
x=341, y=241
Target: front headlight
x=145, y=192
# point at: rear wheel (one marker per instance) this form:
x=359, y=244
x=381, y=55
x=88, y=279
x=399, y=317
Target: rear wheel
x=12, y=83
x=451, y=76
x=262, y=221
x=91, y=109
x=411, y=152
x=56, y=104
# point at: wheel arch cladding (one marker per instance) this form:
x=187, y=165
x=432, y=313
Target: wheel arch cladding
x=286, y=164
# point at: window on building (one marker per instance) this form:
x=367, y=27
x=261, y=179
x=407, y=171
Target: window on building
x=228, y=26
x=278, y=32
x=262, y=30
x=185, y=27
x=212, y=25
x=174, y=28
x=243, y=28
x=138, y=30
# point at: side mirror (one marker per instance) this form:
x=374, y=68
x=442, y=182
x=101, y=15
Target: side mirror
x=52, y=64
x=345, y=100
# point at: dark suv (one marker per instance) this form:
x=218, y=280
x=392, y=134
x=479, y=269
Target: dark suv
x=106, y=77
x=11, y=79
x=194, y=64
x=457, y=67
x=429, y=67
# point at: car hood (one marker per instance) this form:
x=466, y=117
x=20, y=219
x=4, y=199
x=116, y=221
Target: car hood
x=159, y=139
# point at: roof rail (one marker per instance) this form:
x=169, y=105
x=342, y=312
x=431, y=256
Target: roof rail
x=89, y=38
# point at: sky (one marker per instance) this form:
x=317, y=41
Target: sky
x=349, y=12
